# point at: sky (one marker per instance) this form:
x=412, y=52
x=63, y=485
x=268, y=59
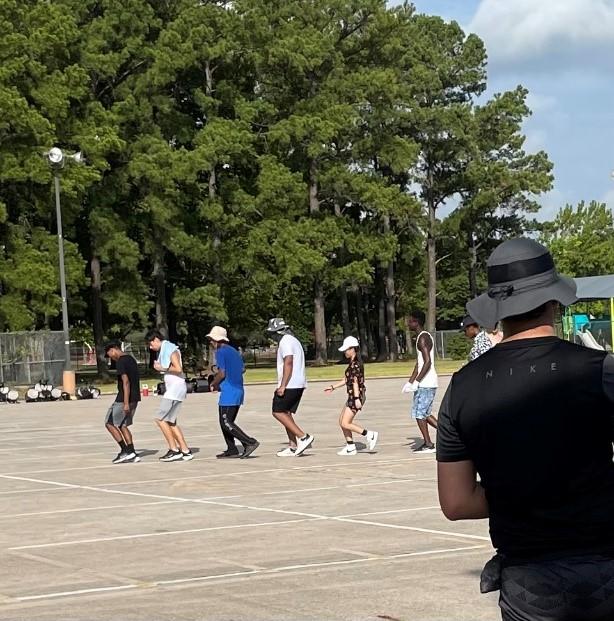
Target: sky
x=562, y=51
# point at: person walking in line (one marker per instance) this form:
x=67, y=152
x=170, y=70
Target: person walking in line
x=354, y=383
x=121, y=413
x=169, y=362
x=423, y=381
x=228, y=380
x=515, y=417
x=291, y=382
x=481, y=341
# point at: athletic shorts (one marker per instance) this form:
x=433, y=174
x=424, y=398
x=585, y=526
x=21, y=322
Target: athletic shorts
x=572, y=589
x=289, y=402
x=117, y=417
x=422, y=405
x=168, y=410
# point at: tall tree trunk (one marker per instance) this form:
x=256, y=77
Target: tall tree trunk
x=473, y=266
x=319, y=315
x=345, y=311
x=408, y=342
x=96, y=288
x=343, y=294
x=382, y=345
x=362, y=326
x=159, y=274
x=391, y=314
x=431, y=254
x=380, y=325
x=321, y=357
x=212, y=186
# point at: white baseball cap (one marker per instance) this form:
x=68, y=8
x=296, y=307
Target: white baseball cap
x=218, y=334
x=349, y=341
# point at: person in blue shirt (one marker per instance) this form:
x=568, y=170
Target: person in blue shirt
x=229, y=381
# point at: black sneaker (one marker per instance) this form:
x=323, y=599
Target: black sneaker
x=122, y=456
x=228, y=455
x=187, y=456
x=249, y=449
x=425, y=448
x=172, y=456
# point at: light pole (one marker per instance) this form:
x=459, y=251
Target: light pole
x=57, y=160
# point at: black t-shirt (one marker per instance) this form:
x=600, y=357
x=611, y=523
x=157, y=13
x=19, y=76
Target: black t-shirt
x=126, y=365
x=536, y=417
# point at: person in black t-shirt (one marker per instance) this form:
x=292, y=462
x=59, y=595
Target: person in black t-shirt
x=121, y=413
x=516, y=416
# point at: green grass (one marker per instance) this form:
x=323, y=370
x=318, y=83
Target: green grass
x=331, y=372
x=335, y=371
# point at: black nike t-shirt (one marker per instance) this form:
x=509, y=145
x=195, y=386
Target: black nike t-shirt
x=536, y=417
x=127, y=365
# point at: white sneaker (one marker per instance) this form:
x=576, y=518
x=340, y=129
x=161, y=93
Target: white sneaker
x=348, y=450
x=302, y=445
x=372, y=437
x=287, y=452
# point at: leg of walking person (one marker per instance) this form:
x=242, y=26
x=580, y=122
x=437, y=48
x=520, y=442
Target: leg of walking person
x=228, y=419
x=231, y=447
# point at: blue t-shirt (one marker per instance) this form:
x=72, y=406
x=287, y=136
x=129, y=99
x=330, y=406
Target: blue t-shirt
x=231, y=389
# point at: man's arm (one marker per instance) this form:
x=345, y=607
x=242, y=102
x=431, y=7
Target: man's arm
x=126, y=387
x=175, y=367
x=287, y=374
x=461, y=497
x=424, y=346
x=218, y=378
x=608, y=386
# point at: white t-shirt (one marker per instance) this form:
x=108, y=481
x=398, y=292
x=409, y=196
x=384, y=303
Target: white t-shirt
x=291, y=346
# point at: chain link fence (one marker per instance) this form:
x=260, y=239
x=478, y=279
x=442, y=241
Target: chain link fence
x=28, y=357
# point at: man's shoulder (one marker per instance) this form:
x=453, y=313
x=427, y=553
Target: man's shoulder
x=290, y=341
x=426, y=337
x=230, y=353
x=126, y=360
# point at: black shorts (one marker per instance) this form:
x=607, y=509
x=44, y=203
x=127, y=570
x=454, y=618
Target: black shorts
x=351, y=403
x=289, y=402
x=578, y=589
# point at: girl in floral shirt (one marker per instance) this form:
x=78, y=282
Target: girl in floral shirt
x=354, y=383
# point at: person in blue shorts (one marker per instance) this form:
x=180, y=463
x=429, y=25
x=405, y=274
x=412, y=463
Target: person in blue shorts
x=423, y=382
x=229, y=381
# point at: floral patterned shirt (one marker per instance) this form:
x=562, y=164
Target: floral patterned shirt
x=355, y=371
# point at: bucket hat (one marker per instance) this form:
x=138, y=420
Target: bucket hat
x=521, y=277
x=277, y=324
x=218, y=334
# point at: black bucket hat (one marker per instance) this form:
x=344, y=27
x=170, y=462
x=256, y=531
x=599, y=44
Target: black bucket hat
x=521, y=277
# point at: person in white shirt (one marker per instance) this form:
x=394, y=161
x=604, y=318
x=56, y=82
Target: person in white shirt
x=291, y=382
x=169, y=362
x=423, y=382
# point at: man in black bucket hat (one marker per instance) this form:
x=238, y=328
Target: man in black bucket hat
x=516, y=417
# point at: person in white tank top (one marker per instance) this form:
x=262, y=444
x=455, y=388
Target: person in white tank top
x=423, y=382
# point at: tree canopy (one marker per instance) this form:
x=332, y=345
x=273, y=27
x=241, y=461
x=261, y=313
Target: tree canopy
x=255, y=158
